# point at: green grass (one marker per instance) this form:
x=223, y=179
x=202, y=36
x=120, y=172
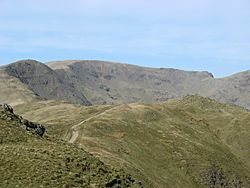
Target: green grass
x=57, y=115
x=161, y=146
x=27, y=160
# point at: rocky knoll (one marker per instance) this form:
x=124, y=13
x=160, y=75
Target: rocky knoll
x=8, y=114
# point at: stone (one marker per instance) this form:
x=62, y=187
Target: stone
x=7, y=108
x=24, y=123
x=112, y=183
x=40, y=130
x=32, y=125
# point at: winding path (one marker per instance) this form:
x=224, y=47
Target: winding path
x=75, y=128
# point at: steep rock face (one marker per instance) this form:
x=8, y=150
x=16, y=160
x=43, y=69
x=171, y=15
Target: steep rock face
x=106, y=82
x=45, y=82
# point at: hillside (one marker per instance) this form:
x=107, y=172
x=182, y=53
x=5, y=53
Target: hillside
x=13, y=91
x=28, y=160
x=107, y=82
x=192, y=142
x=43, y=81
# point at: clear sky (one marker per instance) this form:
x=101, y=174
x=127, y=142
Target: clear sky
x=212, y=35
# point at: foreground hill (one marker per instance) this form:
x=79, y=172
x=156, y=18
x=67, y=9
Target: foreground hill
x=106, y=82
x=28, y=160
x=192, y=142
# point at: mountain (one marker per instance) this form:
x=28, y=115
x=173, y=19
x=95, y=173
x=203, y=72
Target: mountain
x=106, y=82
x=189, y=142
x=28, y=160
x=43, y=81
x=114, y=83
x=100, y=82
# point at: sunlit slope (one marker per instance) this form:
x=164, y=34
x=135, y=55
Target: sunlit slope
x=194, y=142
x=191, y=142
x=59, y=116
x=13, y=91
x=230, y=124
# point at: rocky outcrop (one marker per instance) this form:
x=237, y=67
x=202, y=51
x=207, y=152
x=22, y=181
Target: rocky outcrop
x=7, y=108
x=39, y=129
x=215, y=177
x=8, y=114
x=117, y=181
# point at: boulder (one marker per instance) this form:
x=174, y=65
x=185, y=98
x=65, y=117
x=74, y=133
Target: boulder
x=7, y=108
x=32, y=125
x=40, y=130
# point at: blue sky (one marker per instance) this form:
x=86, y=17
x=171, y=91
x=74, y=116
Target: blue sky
x=207, y=35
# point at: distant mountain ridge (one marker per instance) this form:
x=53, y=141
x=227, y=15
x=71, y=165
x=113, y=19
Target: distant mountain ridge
x=100, y=82
x=107, y=82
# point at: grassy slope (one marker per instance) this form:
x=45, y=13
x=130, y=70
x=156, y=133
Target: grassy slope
x=181, y=143
x=175, y=144
x=59, y=116
x=27, y=160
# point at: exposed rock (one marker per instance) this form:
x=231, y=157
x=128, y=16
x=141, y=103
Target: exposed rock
x=215, y=177
x=7, y=108
x=112, y=183
x=40, y=130
x=10, y=115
